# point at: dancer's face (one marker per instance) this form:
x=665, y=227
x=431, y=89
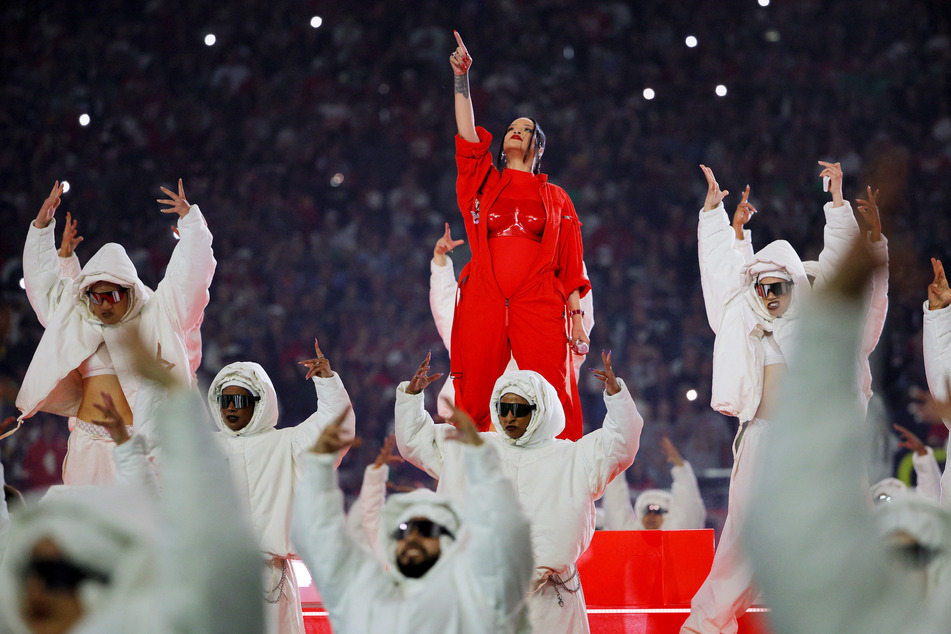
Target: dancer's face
x=653, y=521
x=776, y=305
x=513, y=425
x=49, y=605
x=108, y=310
x=236, y=418
x=417, y=553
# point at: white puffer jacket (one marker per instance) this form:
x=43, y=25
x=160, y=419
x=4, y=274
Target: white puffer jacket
x=728, y=270
x=164, y=316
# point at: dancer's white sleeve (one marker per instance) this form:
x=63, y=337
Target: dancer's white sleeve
x=687, y=502
x=442, y=298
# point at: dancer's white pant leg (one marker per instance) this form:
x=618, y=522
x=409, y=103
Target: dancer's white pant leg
x=89, y=455
x=728, y=590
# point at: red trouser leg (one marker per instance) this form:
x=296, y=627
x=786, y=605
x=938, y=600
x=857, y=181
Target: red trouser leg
x=480, y=347
x=538, y=334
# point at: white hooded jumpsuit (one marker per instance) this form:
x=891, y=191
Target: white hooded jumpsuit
x=557, y=481
x=165, y=316
x=185, y=562
x=728, y=272
x=816, y=546
x=265, y=467
x=476, y=587
x=683, y=504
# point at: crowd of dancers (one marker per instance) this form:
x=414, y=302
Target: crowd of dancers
x=153, y=531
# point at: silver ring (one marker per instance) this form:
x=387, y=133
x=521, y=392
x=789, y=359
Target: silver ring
x=320, y=356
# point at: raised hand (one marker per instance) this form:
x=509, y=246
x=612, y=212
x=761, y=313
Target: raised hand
x=460, y=59
x=834, y=172
x=465, y=429
x=45, y=216
x=607, y=374
x=164, y=364
x=112, y=420
x=70, y=239
x=421, y=379
x=332, y=438
x=176, y=202
x=910, y=441
x=445, y=245
x=868, y=209
x=744, y=211
x=387, y=455
x=318, y=366
x=670, y=452
x=714, y=195
x=939, y=295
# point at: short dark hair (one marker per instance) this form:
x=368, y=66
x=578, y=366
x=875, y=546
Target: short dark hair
x=538, y=135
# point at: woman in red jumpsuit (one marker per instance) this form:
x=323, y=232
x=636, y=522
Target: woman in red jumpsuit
x=520, y=295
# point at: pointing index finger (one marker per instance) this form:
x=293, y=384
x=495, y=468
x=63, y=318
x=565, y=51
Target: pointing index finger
x=459, y=40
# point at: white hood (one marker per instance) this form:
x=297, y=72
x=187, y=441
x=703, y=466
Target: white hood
x=253, y=378
x=777, y=255
x=112, y=264
x=930, y=526
x=419, y=503
x=663, y=499
x=548, y=419
x=110, y=530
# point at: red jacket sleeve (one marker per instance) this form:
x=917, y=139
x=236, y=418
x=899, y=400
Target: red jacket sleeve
x=571, y=250
x=473, y=162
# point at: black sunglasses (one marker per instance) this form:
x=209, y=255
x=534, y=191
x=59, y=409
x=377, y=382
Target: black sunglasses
x=240, y=400
x=59, y=575
x=425, y=528
x=776, y=288
x=518, y=409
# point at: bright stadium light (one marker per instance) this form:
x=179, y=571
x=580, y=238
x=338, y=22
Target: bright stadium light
x=210, y=39
x=65, y=186
x=316, y=21
x=84, y=119
x=648, y=93
x=691, y=395
x=691, y=41
x=721, y=90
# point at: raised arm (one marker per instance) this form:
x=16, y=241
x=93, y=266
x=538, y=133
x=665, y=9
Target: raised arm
x=685, y=492
x=416, y=434
x=927, y=471
x=130, y=452
x=610, y=450
x=442, y=286
x=216, y=573
x=184, y=289
x=318, y=526
x=332, y=401
x=363, y=519
x=500, y=549
x=721, y=265
x=617, y=505
x=461, y=62
x=936, y=344
x=841, y=229
x=68, y=262
x=46, y=284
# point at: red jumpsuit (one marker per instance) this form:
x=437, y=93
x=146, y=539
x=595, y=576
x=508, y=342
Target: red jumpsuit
x=527, y=321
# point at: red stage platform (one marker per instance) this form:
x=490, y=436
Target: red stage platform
x=634, y=581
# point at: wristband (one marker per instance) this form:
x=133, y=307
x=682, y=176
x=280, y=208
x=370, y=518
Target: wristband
x=576, y=311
